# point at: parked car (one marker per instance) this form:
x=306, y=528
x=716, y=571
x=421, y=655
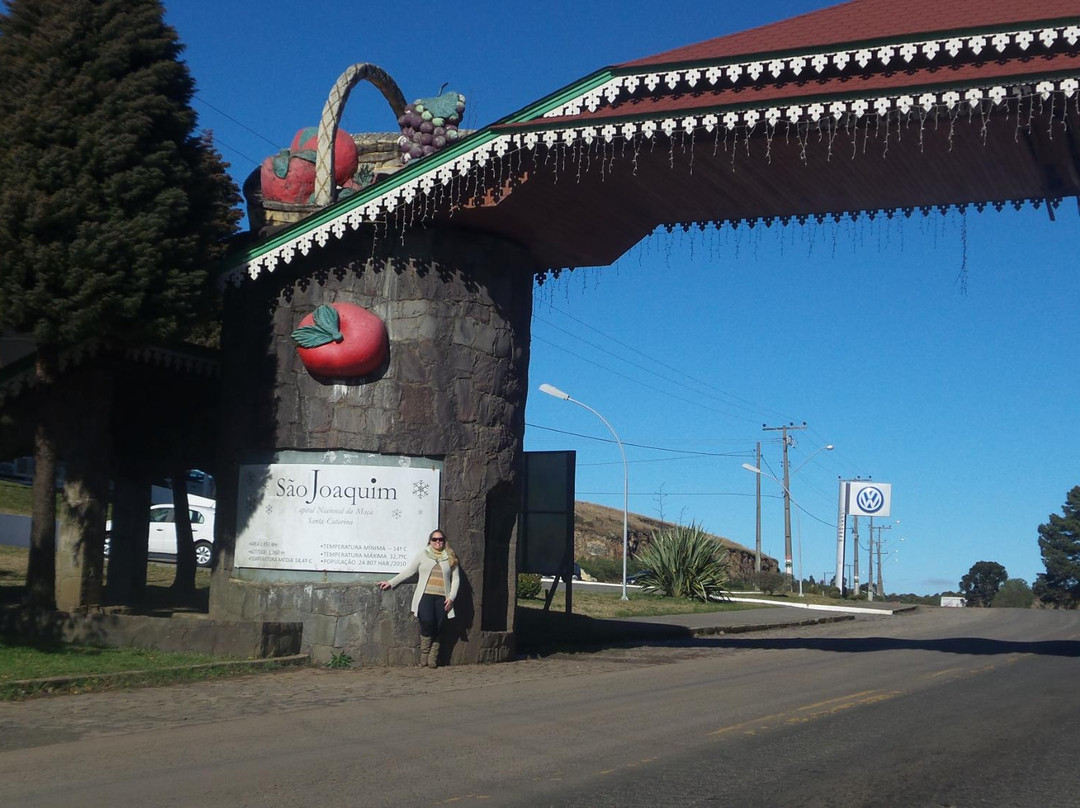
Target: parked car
x=635, y=577
x=161, y=544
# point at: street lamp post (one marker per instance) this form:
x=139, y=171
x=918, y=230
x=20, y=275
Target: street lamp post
x=557, y=393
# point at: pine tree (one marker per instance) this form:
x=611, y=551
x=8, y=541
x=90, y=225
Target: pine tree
x=1059, y=543
x=111, y=207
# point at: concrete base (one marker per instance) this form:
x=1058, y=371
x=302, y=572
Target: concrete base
x=187, y=633
x=371, y=626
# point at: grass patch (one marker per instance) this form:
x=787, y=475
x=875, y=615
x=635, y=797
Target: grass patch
x=817, y=600
x=541, y=632
x=32, y=668
x=14, y=498
x=13, y=562
x=604, y=605
x=29, y=659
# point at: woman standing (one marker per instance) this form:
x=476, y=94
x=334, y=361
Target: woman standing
x=436, y=568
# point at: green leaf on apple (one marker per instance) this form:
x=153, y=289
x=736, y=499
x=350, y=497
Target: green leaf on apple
x=326, y=329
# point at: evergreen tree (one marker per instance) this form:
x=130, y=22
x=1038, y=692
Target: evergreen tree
x=111, y=207
x=982, y=582
x=1059, y=543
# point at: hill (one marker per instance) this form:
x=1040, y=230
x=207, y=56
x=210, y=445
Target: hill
x=598, y=534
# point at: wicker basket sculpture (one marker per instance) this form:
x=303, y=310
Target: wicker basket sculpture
x=378, y=155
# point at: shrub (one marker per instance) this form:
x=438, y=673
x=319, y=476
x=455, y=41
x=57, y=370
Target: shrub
x=528, y=585
x=684, y=562
x=339, y=661
x=771, y=582
x=1014, y=593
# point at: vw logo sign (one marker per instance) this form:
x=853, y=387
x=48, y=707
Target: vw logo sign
x=870, y=499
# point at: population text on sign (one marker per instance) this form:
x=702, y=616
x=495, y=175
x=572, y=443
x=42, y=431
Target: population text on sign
x=333, y=517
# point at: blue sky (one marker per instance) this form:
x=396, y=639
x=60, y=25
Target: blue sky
x=962, y=395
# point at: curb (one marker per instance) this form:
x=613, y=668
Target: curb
x=823, y=607
x=706, y=631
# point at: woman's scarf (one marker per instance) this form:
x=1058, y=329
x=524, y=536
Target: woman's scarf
x=446, y=555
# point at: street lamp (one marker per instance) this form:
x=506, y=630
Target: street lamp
x=826, y=448
x=557, y=393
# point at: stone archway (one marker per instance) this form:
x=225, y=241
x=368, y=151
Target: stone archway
x=960, y=107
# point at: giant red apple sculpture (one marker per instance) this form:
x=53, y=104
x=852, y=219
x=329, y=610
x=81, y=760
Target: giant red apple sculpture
x=341, y=340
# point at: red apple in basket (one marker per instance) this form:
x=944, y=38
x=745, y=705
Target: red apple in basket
x=341, y=340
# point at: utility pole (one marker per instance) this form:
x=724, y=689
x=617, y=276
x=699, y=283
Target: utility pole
x=787, y=441
x=855, y=554
x=880, y=589
x=880, y=583
x=757, y=544
x=870, y=563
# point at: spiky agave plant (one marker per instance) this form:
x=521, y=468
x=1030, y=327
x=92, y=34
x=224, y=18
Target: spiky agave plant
x=684, y=562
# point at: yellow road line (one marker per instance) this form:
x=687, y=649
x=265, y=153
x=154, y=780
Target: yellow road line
x=755, y=722
x=810, y=712
x=838, y=698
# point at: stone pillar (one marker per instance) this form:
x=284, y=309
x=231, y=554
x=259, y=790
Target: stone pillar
x=457, y=307
x=125, y=583
x=81, y=539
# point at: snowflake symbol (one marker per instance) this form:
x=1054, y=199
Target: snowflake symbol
x=396, y=513
x=420, y=489
x=269, y=509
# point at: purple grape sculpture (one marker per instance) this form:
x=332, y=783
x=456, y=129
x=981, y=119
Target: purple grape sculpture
x=430, y=124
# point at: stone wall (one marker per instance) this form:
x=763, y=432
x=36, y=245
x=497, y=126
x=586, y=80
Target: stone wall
x=457, y=307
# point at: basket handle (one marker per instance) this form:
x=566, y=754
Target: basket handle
x=325, y=187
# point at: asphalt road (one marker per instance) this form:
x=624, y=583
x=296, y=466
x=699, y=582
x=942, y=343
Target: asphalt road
x=14, y=530
x=949, y=707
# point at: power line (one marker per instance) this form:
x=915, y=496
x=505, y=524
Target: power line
x=753, y=409
x=219, y=142
x=643, y=384
x=665, y=493
x=638, y=445
x=241, y=124
x=746, y=403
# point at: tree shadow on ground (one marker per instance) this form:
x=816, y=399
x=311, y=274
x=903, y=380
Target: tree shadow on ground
x=979, y=646
x=157, y=600
x=542, y=634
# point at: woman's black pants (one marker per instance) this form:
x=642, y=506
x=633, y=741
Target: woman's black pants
x=432, y=614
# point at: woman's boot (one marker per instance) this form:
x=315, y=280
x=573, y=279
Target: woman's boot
x=433, y=657
x=425, y=650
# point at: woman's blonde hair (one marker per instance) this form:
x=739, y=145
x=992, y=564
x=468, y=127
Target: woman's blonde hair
x=446, y=546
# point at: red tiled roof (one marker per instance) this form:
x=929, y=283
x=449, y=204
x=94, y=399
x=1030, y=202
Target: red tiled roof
x=866, y=20
x=935, y=124
x=707, y=98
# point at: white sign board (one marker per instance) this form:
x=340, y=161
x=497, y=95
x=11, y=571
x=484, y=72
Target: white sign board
x=868, y=498
x=334, y=518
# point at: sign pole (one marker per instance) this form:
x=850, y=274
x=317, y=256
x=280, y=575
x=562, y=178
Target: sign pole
x=841, y=530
